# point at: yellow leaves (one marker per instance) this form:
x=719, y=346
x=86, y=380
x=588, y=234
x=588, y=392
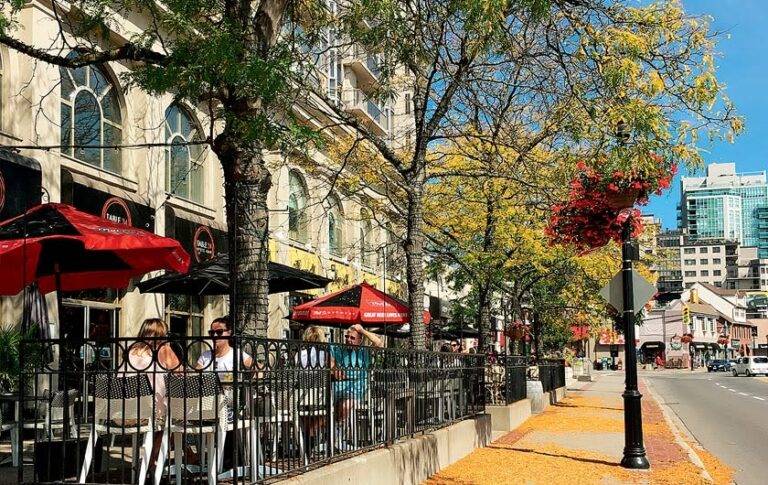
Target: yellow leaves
x=655, y=82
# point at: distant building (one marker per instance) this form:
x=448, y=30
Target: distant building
x=726, y=205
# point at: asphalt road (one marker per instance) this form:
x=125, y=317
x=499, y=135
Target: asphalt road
x=727, y=415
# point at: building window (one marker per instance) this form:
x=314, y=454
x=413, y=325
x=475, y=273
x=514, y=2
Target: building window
x=184, y=315
x=717, y=272
x=366, y=236
x=717, y=261
x=184, y=172
x=90, y=117
x=704, y=261
x=335, y=226
x=689, y=250
x=703, y=250
x=716, y=249
x=297, y=208
x=690, y=262
x=704, y=272
x=690, y=274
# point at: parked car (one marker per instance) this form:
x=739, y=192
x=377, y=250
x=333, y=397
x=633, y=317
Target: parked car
x=718, y=365
x=750, y=366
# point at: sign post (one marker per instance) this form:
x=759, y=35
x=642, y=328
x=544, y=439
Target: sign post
x=634, y=449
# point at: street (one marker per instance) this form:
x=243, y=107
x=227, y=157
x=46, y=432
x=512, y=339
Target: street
x=726, y=414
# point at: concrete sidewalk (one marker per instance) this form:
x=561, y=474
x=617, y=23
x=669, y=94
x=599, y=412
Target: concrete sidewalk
x=580, y=441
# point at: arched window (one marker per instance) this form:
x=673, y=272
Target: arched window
x=335, y=227
x=297, y=208
x=90, y=117
x=184, y=171
x=366, y=239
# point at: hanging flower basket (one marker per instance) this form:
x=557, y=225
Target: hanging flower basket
x=722, y=340
x=622, y=200
x=516, y=331
x=596, y=210
x=686, y=338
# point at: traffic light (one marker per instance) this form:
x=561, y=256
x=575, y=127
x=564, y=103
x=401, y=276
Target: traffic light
x=686, y=315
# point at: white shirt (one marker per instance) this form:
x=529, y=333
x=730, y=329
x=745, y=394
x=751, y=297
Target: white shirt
x=224, y=363
x=313, y=358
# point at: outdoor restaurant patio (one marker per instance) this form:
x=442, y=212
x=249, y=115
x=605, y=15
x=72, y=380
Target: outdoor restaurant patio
x=87, y=410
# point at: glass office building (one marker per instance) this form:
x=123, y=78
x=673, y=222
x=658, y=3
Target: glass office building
x=727, y=205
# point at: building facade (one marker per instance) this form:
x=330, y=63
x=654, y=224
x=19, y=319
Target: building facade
x=177, y=190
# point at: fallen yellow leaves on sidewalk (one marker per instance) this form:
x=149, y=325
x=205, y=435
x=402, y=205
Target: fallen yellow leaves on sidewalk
x=559, y=447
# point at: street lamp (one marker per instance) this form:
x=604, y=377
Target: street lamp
x=634, y=450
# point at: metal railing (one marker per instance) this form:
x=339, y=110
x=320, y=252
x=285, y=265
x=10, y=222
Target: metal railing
x=552, y=374
x=185, y=409
x=505, y=378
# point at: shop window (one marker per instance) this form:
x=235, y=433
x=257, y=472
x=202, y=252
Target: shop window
x=184, y=315
x=91, y=120
x=335, y=227
x=297, y=208
x=184, y=157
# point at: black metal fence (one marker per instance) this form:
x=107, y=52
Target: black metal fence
x=552, y=374
x=505, y=377
x=244, y=409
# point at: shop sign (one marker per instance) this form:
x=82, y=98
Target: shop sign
x=203, y=245
x=116, y=210
x=735, y=343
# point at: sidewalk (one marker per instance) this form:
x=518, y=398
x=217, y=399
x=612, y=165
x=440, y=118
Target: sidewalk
x=580, y=441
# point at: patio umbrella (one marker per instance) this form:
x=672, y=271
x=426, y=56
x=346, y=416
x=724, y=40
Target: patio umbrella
x=61, y=248
x=212, y=278
x=360, y=303
x=453, y=333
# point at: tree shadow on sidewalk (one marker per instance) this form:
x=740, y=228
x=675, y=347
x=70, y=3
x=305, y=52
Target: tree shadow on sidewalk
x=554, y=455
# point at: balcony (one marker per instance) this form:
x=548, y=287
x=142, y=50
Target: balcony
x=367, y=67
x=377, y=117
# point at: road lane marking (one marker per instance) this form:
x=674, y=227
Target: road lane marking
x=732, y=390
x=744, y=394
x=759, y=398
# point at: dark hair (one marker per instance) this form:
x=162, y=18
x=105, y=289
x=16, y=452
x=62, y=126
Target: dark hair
x=224, y=320
x=445, y=348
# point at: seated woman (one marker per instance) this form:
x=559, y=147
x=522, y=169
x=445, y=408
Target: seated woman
x=150, y=354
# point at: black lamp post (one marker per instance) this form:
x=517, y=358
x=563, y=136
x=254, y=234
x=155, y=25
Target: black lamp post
x=634, y=450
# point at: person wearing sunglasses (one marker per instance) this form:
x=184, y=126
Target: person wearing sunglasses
x=353, y=360
x=222, y=358
x=456, y=346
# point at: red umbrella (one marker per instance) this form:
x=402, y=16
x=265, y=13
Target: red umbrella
x=361, y=304
x=59, y=247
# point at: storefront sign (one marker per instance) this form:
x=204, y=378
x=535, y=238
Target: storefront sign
x=202, y=241
x=676, y=342
x=101, y=202
x=735, y=343
x=203, y=245
x=20, y=184
x=116, y=210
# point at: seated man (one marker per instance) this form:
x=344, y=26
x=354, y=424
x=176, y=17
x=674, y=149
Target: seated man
x=223, y=355
x=353, y=364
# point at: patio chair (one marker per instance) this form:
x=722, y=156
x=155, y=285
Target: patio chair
x=13, y=427
x=196, y=407
x=123, y=405
x=313, y=400
x=48, y=416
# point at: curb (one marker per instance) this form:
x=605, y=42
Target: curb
x=680, y=431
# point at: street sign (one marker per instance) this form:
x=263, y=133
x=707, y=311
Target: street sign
x=613, y=292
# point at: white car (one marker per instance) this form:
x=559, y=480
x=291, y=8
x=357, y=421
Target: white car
x=750, y=366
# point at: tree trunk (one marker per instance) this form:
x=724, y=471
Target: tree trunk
x=414, y=262
x=486, y=339
x=247, y=182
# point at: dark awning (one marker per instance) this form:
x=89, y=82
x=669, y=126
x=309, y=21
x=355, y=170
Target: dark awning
x=653, y=345
x=212, y=278
x=20, y=184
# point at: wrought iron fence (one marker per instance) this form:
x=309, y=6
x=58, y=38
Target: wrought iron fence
x=552, y=374
x=245, y=409
x=505, y=378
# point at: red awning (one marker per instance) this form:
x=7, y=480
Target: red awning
x=360, y=303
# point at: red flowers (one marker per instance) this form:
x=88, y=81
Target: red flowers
x=598, y=205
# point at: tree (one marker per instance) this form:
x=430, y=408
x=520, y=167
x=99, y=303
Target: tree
x=234, y=59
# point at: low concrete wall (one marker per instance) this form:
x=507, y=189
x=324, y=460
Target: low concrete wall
x=558, y=394
x=506, y=418
x=408, y=462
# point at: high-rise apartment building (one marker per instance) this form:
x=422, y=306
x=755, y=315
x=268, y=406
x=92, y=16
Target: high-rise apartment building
x=725, y=205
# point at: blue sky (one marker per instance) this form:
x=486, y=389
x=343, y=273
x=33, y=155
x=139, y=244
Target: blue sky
x=743, y=67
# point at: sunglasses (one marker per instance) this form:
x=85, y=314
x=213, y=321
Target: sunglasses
x=350, y=337
x=217, y=333
x=454, y=345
